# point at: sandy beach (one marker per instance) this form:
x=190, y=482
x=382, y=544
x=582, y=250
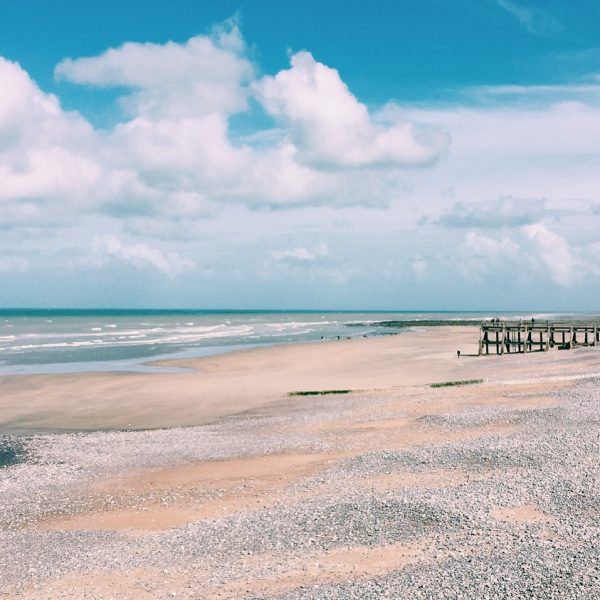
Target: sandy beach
x=232, y=488
x=231, y=383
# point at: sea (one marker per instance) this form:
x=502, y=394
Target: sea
x=37, y=341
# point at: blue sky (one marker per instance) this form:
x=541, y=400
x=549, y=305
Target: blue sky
x=385, y=155
x=386, y=49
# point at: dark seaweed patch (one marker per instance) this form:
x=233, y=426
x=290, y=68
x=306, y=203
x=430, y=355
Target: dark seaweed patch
x=12, y=451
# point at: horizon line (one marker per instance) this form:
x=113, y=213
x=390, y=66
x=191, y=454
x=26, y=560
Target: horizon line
x=229, y=309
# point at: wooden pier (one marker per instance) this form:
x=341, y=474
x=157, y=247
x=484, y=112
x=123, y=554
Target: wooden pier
x=499, y=337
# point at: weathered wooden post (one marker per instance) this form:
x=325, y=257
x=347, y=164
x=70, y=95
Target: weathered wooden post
x=572, y=337
x=524, y=336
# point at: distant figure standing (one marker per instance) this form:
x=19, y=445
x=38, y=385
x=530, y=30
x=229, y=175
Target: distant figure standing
x=458, y=354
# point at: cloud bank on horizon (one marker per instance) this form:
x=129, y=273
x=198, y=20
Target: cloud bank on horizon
x=215, y=170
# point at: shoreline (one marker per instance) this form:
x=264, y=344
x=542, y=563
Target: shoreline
x=160, y=363
x=230, y=383
x=48, y=344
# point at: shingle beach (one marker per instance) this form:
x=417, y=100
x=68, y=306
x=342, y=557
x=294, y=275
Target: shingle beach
x=489, y=490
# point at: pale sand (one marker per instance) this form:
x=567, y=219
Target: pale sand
x=232, y=383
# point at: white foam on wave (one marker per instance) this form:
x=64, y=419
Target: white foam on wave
x=291, y=333
x=232, y=332
x=361, y=321
x=297, y=324
x=198, y=329
x=138, y=338
x=80, y=334
x=22, y=347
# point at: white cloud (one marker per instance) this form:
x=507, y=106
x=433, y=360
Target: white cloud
x=320, y=251
x=555, y=254
x=480, y=254
x=502, y=213
x=180, y=165
x=528, y=249
x=525, y=151
x=14, y=264
x=536, y=20
x=47, y=155
x=331, y=128
x=277, y=179
x=203, y=75
x=175, y=161
x=106, y=247
x=176, y=157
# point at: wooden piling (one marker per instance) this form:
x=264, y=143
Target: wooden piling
x=536, y=336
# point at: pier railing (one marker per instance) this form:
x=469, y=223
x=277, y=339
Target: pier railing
x=499, y=337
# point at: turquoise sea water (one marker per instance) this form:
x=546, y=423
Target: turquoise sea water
x=50, y=341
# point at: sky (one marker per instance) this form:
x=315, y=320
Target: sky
x=389, y=155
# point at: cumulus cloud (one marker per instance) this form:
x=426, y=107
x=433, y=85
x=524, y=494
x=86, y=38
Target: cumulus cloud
x=530, y=248
x=331, y=128
x=555, y=253
x=107, y=247
x=173, y=155
x=301, y=254
x=206, y=74
x=480, y=254
x=46, y=154
x=505, y=212
x=180, y=165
